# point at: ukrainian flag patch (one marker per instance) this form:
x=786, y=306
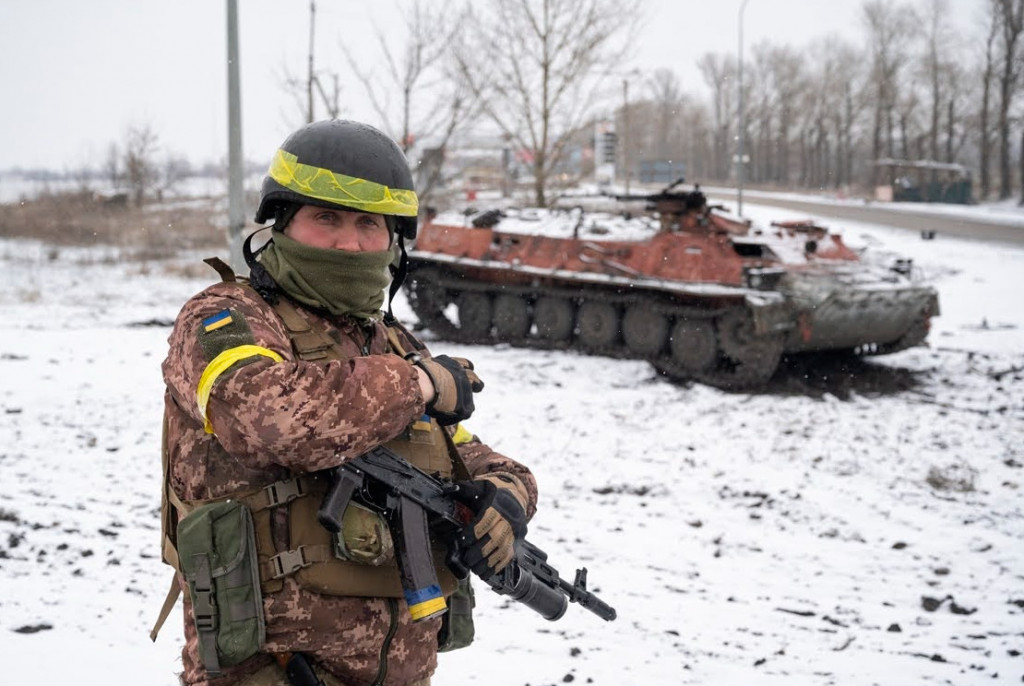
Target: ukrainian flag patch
x=217, y=321
x=422, y=424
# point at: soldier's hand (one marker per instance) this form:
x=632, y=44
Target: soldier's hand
x=454, y=382
x=487, y=544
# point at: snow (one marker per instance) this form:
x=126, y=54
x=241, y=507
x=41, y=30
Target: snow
x=783, y=537
x=565, y=223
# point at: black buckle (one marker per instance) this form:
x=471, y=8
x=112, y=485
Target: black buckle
x=289, y=562
x=204, y=609
x=283, y=492
x=204, y=606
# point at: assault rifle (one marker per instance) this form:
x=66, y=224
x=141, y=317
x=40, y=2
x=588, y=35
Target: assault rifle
x=414, y=502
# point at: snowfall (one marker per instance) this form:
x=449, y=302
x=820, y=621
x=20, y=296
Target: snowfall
x=831, y=529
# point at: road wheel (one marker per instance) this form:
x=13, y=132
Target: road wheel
x=694, y=345
x=511, y=317
x=554, y=318
x=474, y=315
x=752, y=358
x=598, y=324
x=428, y=300
x=644, y=330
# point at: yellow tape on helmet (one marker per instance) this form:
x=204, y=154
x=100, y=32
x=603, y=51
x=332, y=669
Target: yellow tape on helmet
x=350, y=191
x=221, y=364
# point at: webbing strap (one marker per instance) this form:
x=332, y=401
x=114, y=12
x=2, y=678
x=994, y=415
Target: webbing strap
x=227, y=274
x=396, y=345
x=291, y=561
x=278, y=493
x=204, y=612
x=310, y=344
x=172, y=597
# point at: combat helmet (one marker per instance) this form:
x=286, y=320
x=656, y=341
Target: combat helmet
x=343, y=163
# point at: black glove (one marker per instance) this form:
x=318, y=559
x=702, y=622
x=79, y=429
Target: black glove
x=487, y=544
x=455, y=382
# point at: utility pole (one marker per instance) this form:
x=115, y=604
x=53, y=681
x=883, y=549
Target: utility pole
x=236, y=194
x=310, y=76
x=625, y=131
x=742, y=123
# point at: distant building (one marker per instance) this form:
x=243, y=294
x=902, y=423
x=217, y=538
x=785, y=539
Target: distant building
x=660, y=171
x=922, y=181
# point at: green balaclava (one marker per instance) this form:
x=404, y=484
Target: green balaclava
x=339, y=281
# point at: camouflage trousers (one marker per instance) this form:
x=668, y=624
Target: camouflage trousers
x=273, y=675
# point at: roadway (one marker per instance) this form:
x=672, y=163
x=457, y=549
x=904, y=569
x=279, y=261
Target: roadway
x=970, y=224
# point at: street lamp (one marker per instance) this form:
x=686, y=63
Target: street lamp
x=625, y=137
x=739, y=134
x=236, y=171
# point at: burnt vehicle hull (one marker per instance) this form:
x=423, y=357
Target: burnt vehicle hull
x=694, y=292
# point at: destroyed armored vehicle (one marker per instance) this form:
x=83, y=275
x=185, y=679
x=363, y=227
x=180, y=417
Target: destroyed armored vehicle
x=697, y=293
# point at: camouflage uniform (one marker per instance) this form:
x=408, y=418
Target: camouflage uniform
x=274, y=418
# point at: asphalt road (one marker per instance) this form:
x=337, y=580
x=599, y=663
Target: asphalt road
x=967, y=227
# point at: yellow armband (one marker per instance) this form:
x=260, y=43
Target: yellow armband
x=221, y=364
x=462, y=435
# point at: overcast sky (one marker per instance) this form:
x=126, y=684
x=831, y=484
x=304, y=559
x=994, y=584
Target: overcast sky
x=76, y=74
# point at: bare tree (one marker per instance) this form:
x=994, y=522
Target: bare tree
x=112, y=169
x=890, y=30
x=779, y=82
x=1011, y=21
x=719, y=72
x=140, y=168
x=535, y=65
x=985, y=116
x=663, y=134
x=939, y=55
x=843, y=81
x=303, y=90
x=175, y=169
x=667, y=94
x=761, y=97
x=423, y=100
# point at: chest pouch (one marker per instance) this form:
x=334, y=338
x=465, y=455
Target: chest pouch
x=364, y=537
x=217, y=554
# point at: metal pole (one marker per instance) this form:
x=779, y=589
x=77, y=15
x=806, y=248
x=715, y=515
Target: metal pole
x=625, y=131
x=309, y=75
x=742, y=123
x=236, y=193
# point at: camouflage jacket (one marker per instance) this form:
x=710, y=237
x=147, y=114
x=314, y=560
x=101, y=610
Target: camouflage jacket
x=271, y=418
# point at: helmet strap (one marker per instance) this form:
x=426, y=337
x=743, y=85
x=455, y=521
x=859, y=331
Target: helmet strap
x=259, y=278
x=398, y=277
x=284, y=213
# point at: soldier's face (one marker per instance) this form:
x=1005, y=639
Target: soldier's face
x=331, y=229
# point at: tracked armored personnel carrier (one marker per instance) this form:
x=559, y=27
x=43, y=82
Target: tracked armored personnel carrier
x=697, y=293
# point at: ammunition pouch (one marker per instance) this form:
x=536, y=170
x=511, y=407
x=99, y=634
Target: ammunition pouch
x=457, y=630
x=217, y=554
x=364, y=537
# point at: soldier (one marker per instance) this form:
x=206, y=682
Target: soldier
x=294, y=370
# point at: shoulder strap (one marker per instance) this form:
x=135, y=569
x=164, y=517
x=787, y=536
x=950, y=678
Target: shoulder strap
x=227, y=274
x=172, y=597
x=310, y=343
x=169, y=507
x=396, y=345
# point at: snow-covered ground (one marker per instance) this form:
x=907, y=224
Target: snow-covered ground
x=826, y=531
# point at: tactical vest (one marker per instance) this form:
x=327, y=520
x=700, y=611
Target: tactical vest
x=314, y=556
